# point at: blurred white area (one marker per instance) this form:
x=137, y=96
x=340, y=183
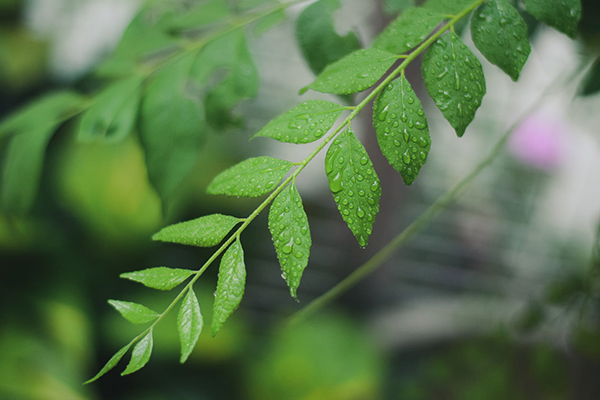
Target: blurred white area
x=81, y=32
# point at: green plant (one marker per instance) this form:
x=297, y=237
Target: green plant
x=157, y=87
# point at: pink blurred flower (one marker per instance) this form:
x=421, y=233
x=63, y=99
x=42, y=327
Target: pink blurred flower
x=539, y=142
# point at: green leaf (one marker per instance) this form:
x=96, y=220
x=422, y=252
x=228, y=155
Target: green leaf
x=113, y=115
x=140, y=354
x=171, y=127
x=354, y=73
x=291, y=235
x=305, y=123
x=591, y=81
x=189, y=324
x=500, y=34
x=161, y=278
x=268, y=22
x=44, y=113
x=354, y=184
x=454, y=79
x=114, y=360
x=205, y=231
x=563, y=15
x=401, y=127
x=395, y=6
x=230, y=285
x=32, y=128
x=209, y=13
x=250, y=178
x=133, y=312
x=318, y=40
x=448, y=7
x=408, y=30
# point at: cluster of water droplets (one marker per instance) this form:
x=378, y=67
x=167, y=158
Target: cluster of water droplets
x=205, y=231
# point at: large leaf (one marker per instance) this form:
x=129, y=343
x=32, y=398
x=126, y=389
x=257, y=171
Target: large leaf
x=189, y=324
x=230, y=285
x=250, y=178
x=113, y=115
x=319, y=42
x=114, y=360
x=408, y=30
x=354, y=184
x=291, y=235
x=454, y=79
x=305, y=123
x=563, y=15
x=161, y=278
x=500, y=34
x=401, y=128
x=171, y=127
x=205, y=231
x=32, y=128
x=140, y=354
x=133, y=312
x=354, y=73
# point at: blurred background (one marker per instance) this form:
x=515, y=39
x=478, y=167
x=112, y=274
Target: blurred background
x=498, y=298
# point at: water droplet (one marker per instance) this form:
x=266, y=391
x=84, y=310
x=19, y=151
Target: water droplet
x=383, y=114
x=364, y=160
x=375, y=186
x=335, y=184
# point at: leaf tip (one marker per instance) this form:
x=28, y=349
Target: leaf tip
x=303, y=90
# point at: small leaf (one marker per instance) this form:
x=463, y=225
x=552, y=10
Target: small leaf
x=161, y=278
x=318, y=40
x=133, y=312
x=171, y=127
x=140, y=354
x=114, y=113
x=563, y=15
x=205, y=231
x=408, y=30
x=401, y=127
x=250, y=178
x=454, y=79
x=354, y=184
x=500, y=34
x=189, y=324
x=305, y=123
x=291, y=235
x=354, y=73
x=114, y=360
x=230, y=285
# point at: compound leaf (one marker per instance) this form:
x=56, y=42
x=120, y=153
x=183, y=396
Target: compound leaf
x=354, y=73
x=288, y=224
x=205, y=231
x=454, y=79
x=305, y=123
x=133, y=312
x=401, y=127
x=354, y=184
x=113, y=115
x=114, y=360
x=171, y=127
x=500, y=34
x=189, y=324
x=230, y=285
x=408, y=30
x=140, y=354
x=250, y=178
x=563, y=15
x=318, y=40
x=161, y=278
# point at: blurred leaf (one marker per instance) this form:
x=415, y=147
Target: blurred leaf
x=591, y=81
x=269, y=22
x=161, y=278
x=23, y=58
x=230, y=285
x=205, y=231
x=396, y=6
x=354, y=73
x=171, y=127
x=140, y=355
x=189, y=324
x=113, y=115
x=318, y=40
x=133, y=312
x=289, y=228
x=562, y=291
x=500, y=34
x=563, y=15
x=114, y=360
x=530, y=318
x=250, y=178
x=305, y=123
x=210, y=12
